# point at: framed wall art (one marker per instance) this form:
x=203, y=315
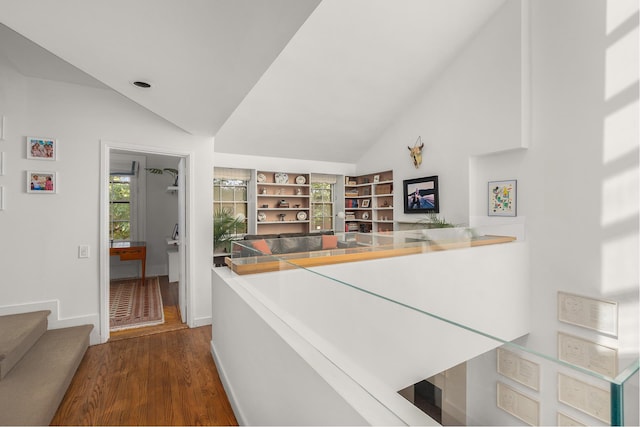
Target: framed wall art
x=41, y=182
x=421, y=195
x=591, y=313
x=518, y=404
x=588, y=354
x=565, y=420
x=591, y=400
x=2, y=165
x=502, y=198
x=518, y=369
x=41, y=148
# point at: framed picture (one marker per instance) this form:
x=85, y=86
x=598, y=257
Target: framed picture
x=174, y=235
x=421, y=195
x=376, y=179
x=1, y=163
x=364, y=203
x=502, y=198
x=565, y=420
x=41, y=148
x=41, y=182
x=588, y=354
x=591, y=313
x=1, y=198
x=518, y=404
x=584, y=397
x=518, y=369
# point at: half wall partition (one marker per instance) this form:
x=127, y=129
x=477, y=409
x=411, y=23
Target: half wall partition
x=356, y=335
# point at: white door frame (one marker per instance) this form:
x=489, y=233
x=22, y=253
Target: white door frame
x=106, y=148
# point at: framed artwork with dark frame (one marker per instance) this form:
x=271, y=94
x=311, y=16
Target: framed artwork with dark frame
x=421, y=195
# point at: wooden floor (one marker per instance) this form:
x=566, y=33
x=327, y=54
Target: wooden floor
x=161, y=379
x=158, y=375
x=172, y=320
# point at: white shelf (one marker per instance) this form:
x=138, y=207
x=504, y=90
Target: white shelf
x=283, y=222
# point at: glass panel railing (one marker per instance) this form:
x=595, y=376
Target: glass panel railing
x=434, y=325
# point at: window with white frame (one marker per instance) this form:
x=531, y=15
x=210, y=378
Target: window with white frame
x=230, y=191
x=322, y=199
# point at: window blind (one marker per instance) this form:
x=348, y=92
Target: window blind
x=318, y=178
x=232, y=173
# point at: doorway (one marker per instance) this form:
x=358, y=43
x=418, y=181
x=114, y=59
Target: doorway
x=158, y=200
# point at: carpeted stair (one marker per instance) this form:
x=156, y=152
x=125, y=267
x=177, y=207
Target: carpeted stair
x=36, y=366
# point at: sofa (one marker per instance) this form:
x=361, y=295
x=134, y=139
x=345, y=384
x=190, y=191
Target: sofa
x=286, y=243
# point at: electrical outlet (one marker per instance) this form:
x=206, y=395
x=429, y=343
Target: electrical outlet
x=83, y=251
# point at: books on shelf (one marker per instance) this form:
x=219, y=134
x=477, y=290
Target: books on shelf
x=350, y=203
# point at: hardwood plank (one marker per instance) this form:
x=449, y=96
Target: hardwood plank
x=160, y=379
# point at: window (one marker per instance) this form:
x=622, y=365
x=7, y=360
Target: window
x=322, y=201
x=120, y=207
x=230, y=191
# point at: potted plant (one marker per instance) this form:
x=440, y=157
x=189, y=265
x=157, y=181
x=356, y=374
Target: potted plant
x=226, y=226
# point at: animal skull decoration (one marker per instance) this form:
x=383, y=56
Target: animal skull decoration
x=416, y=152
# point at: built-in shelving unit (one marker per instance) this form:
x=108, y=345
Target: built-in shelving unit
x=368, y=202
x=282, y=202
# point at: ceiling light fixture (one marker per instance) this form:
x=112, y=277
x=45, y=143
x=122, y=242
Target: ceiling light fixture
x=141, y=84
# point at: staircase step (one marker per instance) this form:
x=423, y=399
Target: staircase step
x=31, y=393
x=18, y=333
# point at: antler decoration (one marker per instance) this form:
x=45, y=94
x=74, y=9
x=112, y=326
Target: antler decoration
x=416, y=152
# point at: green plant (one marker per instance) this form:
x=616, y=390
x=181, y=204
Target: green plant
x=225, y=227
x=432, y=220
x=171, y=171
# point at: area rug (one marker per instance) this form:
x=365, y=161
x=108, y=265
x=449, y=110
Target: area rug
x=132, y=305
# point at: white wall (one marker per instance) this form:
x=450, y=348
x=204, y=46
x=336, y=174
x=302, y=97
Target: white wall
x=162, y=213
x=577, y=181
x=473, y=108
x=41, y=233
x=282, y=164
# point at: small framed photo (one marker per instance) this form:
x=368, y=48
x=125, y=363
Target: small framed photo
x=41, y=182
x=41, y=148
x=376, y=179
x=502, y=198
x=174, y=235
x=364, y=203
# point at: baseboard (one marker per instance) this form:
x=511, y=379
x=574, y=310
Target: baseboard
x=55, y=322
x=202, y=321
x=227, y=387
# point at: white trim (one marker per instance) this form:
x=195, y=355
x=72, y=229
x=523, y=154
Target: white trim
x=54, y=320
x=525, y=73
x=105, y=152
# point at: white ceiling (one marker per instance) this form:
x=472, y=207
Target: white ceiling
x=252, y=72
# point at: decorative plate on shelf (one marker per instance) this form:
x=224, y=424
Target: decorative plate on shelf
x=282, y=178
x=262, y=217
x=301, y=179
x=365, y=215
x=262, y=178
x=302, y=216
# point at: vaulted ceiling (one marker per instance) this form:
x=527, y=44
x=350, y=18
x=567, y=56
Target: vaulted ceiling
x=281, y=78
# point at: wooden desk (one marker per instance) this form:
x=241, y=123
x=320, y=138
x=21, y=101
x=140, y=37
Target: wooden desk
x=130, y=251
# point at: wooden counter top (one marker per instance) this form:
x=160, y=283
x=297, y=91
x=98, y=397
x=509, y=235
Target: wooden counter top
x=268, y=263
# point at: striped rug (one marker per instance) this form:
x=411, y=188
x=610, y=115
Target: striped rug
x=132, y=305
